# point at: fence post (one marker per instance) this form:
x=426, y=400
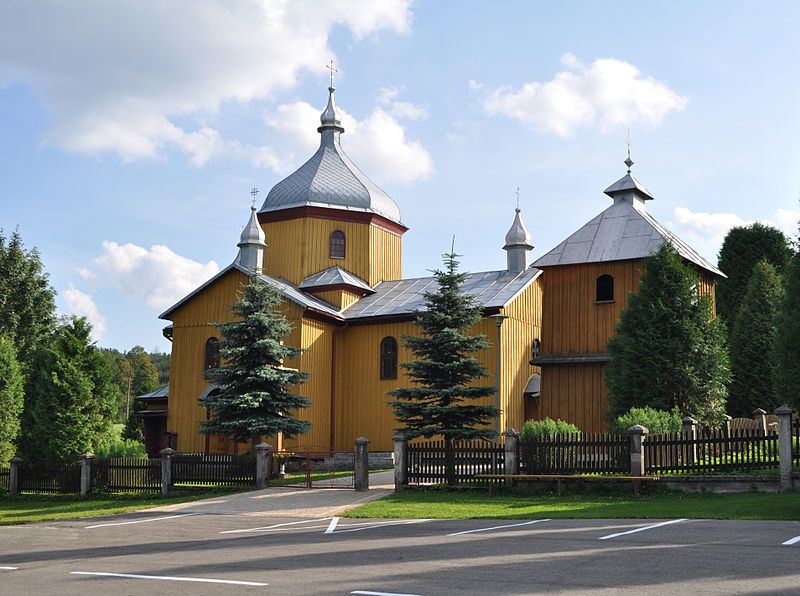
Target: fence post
x=263, y=464
x=511, y=455
x=638, y=434
x=784, y=414
x=86, y=473
x=689, y=432
x=400, y=462
x=760, y=416
x=13, y=475
x=166, y=469
x=726, y=425
x=361, y=472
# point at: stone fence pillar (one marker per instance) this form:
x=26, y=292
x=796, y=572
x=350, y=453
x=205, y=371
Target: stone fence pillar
x=166, y=470
x=784, y=414
x=689, y=432
x=263, y=464
x=361, y=472
x=638, y=434
x=511, y=437
x=400, y=462
x=13, y=475
x=760, y=416
x=86, y=473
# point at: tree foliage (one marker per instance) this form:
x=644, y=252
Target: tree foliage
x=11, y=400
x=27, y=301
x=69, y=402
x=445, y=368
x=787, y=338
x=742, y=248
x=655, y=421
x=668, y=350
x=752, y=344
x=255, y=395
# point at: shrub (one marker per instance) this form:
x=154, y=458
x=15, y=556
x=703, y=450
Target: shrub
x=655, y=421
x=118, y=447
x=535, y=429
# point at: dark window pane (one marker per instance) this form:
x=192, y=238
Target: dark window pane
x=337, y=245
x=605, y=288
x=211, y=354
x=388, y=358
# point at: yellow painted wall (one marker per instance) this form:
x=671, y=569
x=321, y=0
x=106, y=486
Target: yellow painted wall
x=340, y=299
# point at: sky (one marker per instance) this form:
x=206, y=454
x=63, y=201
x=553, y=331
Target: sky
x=131, y=133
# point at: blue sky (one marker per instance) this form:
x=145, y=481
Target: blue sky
x=131, y=133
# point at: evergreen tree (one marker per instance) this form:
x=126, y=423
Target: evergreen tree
x=445, y=369
x=27, y=301
x=668, y=350
x=11, y=399
x=255, y=397
x=787, y=338
x=143, y=379
x=752, y=344
x=742, y=248
x=161, y=361
x=69, y=403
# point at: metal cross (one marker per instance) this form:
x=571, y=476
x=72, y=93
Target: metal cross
x=518, y=195
x=254, y=192
x=628, y=162
x=333, y=70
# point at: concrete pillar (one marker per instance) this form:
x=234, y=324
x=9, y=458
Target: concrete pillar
x=361, y=472
x=760, y=416
x=400, y=462
x=638, y=434
x=166, y=470
x=511, y=437
x=689, y=432
x=784, y=414
x=263, y=464
x=13, y=475
x=86, y=473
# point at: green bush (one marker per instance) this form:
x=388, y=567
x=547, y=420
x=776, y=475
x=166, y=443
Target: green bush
x=535, y=429
x=655, y=421
x=118, y=447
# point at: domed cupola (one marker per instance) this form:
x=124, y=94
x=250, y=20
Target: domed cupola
x=330, y=179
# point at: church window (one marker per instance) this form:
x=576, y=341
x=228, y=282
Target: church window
x=388, y=358
x=605, y=289
x=211, y=358
x=337, y=245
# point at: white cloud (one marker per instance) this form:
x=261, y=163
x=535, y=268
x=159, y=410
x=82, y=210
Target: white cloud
x=158, y=276
x=400, y=109
x=606, y=94
x=82, y=305
x=139, y=78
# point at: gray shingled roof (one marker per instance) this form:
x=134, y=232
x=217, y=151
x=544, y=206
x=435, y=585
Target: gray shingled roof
x=491, y=289
x=628, y=182
x=334, y=276
x=623, y=231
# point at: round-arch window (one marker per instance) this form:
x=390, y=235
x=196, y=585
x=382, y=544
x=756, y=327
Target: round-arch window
x=337, y=245
x=211, y=358
x=388, y=358
x=605, y=288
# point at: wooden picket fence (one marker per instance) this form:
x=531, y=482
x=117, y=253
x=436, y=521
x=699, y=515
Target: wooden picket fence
x=126, y=474
x=796, y=441
x=426, y=461
x=576, y=453
x=203, y=469
x=5, y=474
x=53, y=477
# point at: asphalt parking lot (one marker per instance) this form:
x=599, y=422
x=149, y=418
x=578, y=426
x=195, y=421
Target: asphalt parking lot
x=196, y=552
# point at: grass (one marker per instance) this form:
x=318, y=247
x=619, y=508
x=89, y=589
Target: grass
x=439, y=504
x=23, y=509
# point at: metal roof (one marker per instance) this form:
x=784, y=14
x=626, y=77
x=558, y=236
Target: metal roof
x=491, y=289
x=628, y=182
x=334, y=276
x=623, y=231
x=518, y=234
x=330, y=179
x=161, y=392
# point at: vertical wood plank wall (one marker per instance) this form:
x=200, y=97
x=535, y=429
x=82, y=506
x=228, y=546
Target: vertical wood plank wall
x=340, y=299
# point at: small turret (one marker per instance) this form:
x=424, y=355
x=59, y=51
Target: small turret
x=518, y=245
x=251, y=245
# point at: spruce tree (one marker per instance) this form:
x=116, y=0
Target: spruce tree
x=255, y=395
x=11, y=399
x=752, y=344
x=787, y=338
x=445, y=369
x=668, y=351
x=143, y=379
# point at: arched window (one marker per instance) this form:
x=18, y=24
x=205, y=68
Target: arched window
x=388, y=358
x=211, y=357
x=337, y=245
x=605, y=289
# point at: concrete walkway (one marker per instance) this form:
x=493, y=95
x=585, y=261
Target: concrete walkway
x=290, y=502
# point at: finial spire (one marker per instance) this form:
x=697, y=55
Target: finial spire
x=518, y=197
x=254, y=192
x=331, y=67
x=628, y=162
x=329, y=118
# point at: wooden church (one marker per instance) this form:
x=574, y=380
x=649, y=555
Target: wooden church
x=331, y=241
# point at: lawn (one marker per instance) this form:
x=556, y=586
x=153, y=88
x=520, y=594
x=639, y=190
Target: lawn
x=33, y=508
x=436, y=504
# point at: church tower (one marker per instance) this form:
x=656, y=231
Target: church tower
x=329, y=217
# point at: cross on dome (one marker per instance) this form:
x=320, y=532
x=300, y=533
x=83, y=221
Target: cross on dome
x=254, y=192
x=331, y=67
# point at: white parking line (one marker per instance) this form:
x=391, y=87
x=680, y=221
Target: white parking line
x=8, y=568
x=373, y=525
x=381, y=593
x=527, y=523
x=266, y=528
x=791, y=541
x=666, y=523
x=141, y=521
x=332, y=525
x=202, y=580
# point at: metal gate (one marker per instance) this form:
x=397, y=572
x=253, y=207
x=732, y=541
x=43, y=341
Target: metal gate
x=311, y=468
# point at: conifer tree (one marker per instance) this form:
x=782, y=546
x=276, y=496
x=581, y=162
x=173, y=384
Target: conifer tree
x=255, y=395
x=752, y=344
x=445, y=369
x=787, y=339
x=668, y=350
x=11, y=399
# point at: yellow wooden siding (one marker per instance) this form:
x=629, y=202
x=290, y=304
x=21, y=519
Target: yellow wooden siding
x=386, y=256
x=340, y=299
x=575, y=393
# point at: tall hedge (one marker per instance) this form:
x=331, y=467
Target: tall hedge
x=787, y=338
x=11, y=399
